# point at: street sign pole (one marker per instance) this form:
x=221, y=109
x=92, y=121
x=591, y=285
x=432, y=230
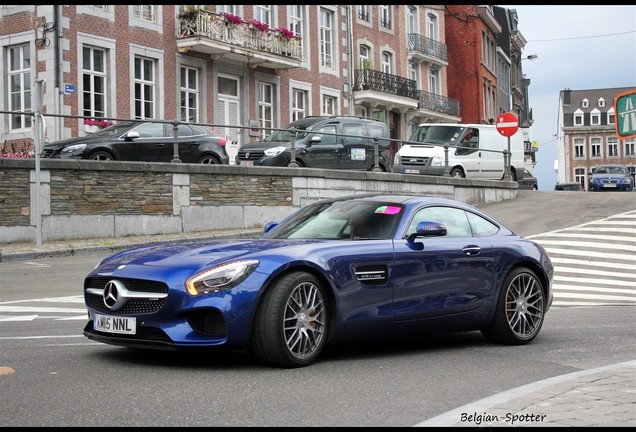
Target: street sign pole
x=507, y=125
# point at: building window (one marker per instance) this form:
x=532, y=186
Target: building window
x=579, y=148
x=595, y=146
x=411, y=19
x=601, y=102
x=229, y=8
x=413, y=70
x=94, y=82
x=329, y=105
x=595, y=117
x=326, y=38
x=144, y=12
x=265, y=108
x=145, y=88
x=432, y=26
x=299, y=104
x=363, y=12
x=578, y=119
x=630, y=148
x=263, y=13
x=296, y=18
x=365, y=57
x=585, y=103
x=488, y=50
x=611, y=119
x=189, y=94
x=385, y=16
x=579, y=176
x=434, y=85
x=19, y=83
x=387, y=62
x=612, y=147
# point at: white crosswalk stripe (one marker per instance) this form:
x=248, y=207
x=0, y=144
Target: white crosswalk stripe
x=595, y=263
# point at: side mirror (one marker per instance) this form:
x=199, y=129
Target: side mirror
x=269, y=226
x=428, y=229
x=132, y=135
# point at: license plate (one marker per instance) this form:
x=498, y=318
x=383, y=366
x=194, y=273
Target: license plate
x=112, y=324
x=247, y=163
x=610, y=185
x=411, y=171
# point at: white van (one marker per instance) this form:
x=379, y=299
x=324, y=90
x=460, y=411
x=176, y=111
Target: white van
x=475, y=151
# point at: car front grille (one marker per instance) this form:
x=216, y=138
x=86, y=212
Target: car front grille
x=414, y=161
x=250, y=155
x=132, y=306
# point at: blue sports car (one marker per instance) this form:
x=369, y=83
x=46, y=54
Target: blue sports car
x=355, y=268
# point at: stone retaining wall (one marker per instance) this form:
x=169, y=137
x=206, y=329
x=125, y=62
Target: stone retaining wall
x=86, y=199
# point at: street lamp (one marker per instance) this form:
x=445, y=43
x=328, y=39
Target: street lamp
x=531, y=57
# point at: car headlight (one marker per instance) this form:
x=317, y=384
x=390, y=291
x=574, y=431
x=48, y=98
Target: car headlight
x=438, y=159
x=73, y=148
x=220, y=278
x=625, y=181
x=274, y=151
x=396, y=159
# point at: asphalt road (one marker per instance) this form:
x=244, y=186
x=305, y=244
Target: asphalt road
x=534, y=212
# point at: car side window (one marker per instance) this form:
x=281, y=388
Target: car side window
x=354, y=133
x=327, y=139
x=454, y=219
x=480, y=226
x=150, y=130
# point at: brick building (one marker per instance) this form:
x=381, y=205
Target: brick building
x=245, y=67
x=587, y=134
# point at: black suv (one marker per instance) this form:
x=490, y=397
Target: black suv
x=333, y=142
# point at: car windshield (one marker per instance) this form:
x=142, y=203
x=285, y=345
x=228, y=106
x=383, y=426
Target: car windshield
x=341, y=220
x=285, y=134
x=438, y=135
x=610, y=170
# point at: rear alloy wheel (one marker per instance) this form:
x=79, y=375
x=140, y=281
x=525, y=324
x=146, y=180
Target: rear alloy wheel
x=208, y=160
x=520, y=309
x=290, y=327
x=101, y=156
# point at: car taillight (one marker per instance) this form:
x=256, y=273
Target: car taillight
x=222, y=142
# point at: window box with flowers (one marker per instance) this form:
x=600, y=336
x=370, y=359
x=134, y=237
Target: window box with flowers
x=255, y=24
x=287, y=40
x=93, y=125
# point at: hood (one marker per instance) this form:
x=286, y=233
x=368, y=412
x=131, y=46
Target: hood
x=98, y=137
x=198, y=254
x=609, y=176
x=262, y=145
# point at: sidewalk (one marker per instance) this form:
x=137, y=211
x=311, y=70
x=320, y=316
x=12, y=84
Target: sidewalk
x=604, y=396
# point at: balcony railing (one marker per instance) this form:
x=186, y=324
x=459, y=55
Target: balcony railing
x=427, y=47
x=216, y=27
x=438, y=103
x=369, y=79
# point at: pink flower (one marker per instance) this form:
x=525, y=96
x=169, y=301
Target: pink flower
x=286, y=33
x=233, y=18
x=259, y=25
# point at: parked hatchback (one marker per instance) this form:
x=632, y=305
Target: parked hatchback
x=611, y=177
x=144, y=141
x=332, y=142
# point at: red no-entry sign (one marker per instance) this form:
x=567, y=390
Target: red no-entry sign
x=507, y=124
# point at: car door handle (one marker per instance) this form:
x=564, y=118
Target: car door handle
x=471, y=250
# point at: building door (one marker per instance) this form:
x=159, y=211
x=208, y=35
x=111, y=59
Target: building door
x=227, y=113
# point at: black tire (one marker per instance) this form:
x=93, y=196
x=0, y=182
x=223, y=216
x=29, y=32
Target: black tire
x=457, y=172
x=290, y=327
x=520, y=309
x=209, y=160
x=102, y=156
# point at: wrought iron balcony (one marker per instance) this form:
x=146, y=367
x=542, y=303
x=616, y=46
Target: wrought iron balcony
x=218, y=36
x=423, y=48
x=438, y=103
x=374, y=80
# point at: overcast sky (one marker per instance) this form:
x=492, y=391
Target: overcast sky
x=579, y=47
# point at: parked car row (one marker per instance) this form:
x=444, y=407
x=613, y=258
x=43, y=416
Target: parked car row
x=332, y=142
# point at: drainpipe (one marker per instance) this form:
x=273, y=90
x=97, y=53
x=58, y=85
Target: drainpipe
x=350, y=59
x=59, y=71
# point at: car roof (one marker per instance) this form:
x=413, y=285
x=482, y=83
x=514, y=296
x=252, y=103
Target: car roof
x=400, y=199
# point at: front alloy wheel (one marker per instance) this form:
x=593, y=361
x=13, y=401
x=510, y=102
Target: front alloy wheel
x=290, y=327
x=520, y=309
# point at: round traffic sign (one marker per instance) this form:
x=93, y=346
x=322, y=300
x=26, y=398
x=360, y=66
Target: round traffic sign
x=507, y=124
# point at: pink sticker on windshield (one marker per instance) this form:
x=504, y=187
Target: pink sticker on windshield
x=388, y=210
